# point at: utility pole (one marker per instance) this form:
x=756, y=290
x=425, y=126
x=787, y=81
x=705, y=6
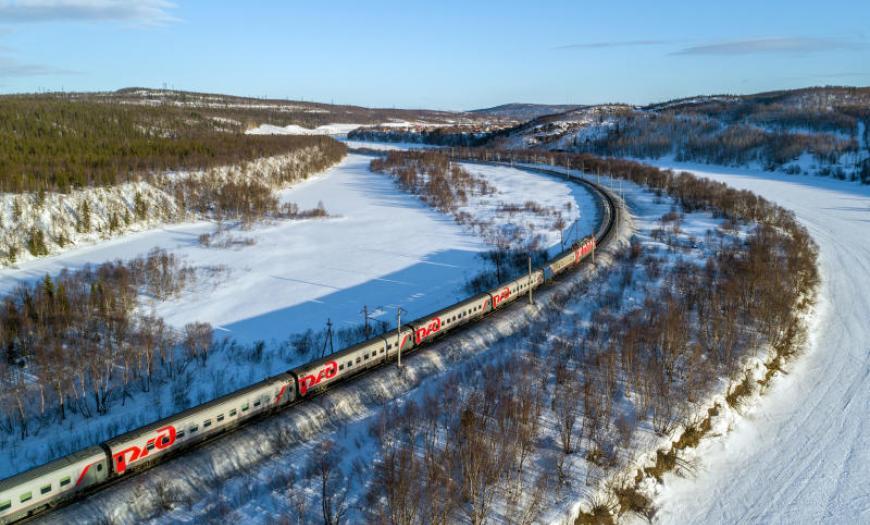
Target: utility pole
x=399, y=334
x=328, y=340
x=531, y=299
x=365, y=312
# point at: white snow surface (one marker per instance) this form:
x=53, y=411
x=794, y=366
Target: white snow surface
x=380, y=247
x=802, y=454
x=293, y=129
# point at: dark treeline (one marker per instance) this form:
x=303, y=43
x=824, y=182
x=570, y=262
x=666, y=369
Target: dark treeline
x=429, y=174
x=696, y=138
x=441, y=136
x=54, y=144
x=630, y=367
x=78, y=343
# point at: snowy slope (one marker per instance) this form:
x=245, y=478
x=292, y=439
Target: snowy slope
x=803, y=454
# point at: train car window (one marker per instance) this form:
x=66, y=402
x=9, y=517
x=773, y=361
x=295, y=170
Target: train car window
x=341, y=367
x=365, y=356
x=383, y=350
x=233, y=412
x=65, y=481
x=99, y=467
x=220, y=418
x=180, y=434
x=245, y=407
x=358, y=360
x=5, y=504
x=194, y=428
x=26, y=497
x=206, y=423
x=45, y=489
x=164, y=440
x=150, y=446
x=257, y=403
x=389, y=346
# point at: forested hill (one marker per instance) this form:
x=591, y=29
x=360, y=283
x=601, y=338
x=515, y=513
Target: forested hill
x=63, y=141
x=54, y=144
x=820, y=131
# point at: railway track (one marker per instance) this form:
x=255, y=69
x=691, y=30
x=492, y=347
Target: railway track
x=610, y=216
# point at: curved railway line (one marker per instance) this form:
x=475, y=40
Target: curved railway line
x=40, y=490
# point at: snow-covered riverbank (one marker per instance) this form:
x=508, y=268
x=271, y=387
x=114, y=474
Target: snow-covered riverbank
x=802, y=455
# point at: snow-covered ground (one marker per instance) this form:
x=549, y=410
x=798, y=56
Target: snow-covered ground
x=293, y=129
x=380, y=248
x=802, y=455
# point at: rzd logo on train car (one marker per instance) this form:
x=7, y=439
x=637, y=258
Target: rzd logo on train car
x=503, y=295
x=425, y=331
x=328, y=371
x=164, y=439
x=583, y=250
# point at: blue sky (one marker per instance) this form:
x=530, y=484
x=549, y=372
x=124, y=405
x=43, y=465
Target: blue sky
x=437, y=54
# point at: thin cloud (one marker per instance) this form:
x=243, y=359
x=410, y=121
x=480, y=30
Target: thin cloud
x=11, y=68
x=149, y=12
x=791, y=45
x=615, y=43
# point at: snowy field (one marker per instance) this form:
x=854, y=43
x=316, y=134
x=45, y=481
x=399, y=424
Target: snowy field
x=802, y=455
x=380, y=248
x=293, y=129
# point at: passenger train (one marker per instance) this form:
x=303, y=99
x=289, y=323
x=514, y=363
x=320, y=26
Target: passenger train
x=82, y=472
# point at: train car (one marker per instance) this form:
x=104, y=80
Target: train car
x=569, y=258
x=404, y=339
x=509, y=292
x=139, y=448
x=53, y=483
x=316, y=375
x=431, y=326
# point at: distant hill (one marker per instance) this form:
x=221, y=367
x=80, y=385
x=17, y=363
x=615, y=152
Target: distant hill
x=819, y=130
x=522, y=112
x=278, y=112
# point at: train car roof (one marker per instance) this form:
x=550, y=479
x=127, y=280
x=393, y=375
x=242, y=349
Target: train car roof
x=345, y=351
x=198, y=408
x=450, y=308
